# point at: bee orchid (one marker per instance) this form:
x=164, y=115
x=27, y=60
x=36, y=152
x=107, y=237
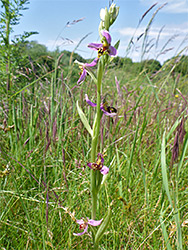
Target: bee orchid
x=107, y=110
x=105, y=46
x=83, y=67
x=98, y=165
x=84, y=225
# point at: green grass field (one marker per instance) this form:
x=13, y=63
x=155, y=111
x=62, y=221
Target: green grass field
x=45, y=152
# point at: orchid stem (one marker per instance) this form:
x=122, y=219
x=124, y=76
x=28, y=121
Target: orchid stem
x=96, y=129
x=96, y=246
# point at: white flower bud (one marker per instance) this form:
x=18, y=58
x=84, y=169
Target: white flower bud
x=102, y=14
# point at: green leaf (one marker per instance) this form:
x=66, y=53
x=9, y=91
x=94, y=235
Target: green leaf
x=103, y=227
x=92, y=74
x=117, y=44
x=84, y=119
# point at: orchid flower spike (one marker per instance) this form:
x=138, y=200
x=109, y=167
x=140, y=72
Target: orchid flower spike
x=104, y=47
x=99, y=165
x=83, y=67
x=84, y=225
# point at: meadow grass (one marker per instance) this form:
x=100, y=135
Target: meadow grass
x=47, y=150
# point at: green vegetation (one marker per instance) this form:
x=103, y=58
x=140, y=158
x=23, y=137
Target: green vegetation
x=44, y=150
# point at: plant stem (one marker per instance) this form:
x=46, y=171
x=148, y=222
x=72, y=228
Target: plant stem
x=96, y=129
x=96, y=246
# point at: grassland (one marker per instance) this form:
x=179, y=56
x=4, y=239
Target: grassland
x=45, y=150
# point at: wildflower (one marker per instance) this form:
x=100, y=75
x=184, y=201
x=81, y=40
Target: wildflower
x=83, y=67
x=99, y=165
x=105, y=46
x=84, y=225
x=107, y=110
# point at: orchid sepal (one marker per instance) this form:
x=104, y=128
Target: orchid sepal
x=92, y=104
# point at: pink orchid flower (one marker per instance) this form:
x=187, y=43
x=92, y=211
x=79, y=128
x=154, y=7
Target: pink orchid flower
x=105, y=46
x=84, y=225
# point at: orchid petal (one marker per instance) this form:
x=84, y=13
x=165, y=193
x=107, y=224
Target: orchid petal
x=95, y=223
x=95, y=46
x=93, y=63
x=104, y=170
x=112, y=51
x=82, y=77
x=92, y=104
x=106, y=34
x=85, y=230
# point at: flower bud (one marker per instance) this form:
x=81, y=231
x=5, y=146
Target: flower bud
x=108, y=17
x=105, y=20
x=113, y=12
x=102, y=14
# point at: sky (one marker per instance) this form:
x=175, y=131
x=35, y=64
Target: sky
x=54, y=20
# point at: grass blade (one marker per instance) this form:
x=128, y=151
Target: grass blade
x=164, y=170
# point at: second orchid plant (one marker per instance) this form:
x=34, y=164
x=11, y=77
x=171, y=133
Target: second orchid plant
x=98, y=170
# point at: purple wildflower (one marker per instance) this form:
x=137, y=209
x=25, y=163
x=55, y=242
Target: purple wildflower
x=99, y=165
x=83, y=68
x=105, y=46
x=107, y=110
x=84, y=225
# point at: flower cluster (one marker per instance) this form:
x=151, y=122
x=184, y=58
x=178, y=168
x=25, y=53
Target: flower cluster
x=108, y=17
